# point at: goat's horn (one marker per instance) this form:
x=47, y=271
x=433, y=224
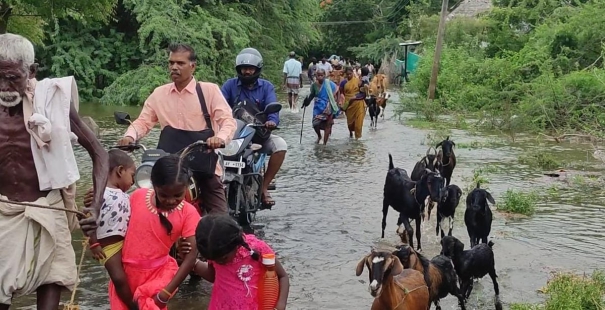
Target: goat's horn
x=428, y=151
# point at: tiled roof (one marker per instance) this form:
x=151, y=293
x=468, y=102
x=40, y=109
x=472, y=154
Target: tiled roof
x=471, y=8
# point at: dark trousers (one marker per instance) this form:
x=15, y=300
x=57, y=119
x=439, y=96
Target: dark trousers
x=212, y=195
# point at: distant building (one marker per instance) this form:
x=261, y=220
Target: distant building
x=471, y=8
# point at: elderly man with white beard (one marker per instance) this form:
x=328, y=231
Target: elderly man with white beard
x=38, y=122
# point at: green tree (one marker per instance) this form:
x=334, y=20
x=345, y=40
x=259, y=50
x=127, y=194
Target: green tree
x=339, y=34
x=399, y=20
x=218, y=30
x=28, y=16
x=545, y=76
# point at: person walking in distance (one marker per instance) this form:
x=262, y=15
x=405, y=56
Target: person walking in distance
x=311, y=70
x=324, y=92
x=325, y=65
x=293, y=76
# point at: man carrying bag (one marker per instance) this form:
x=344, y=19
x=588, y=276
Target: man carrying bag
x=189, y=111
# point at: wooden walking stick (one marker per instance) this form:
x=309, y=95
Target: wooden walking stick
x=302, y=124
x=72, y=305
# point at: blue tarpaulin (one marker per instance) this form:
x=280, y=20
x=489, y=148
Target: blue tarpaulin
x=412, y=62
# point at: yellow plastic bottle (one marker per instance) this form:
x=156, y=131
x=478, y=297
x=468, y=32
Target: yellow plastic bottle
x=268, y=286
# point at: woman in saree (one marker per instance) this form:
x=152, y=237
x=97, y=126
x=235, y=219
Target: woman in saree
x=159, y=217
x=354, y=91
x=325, y=108
x=337, y=75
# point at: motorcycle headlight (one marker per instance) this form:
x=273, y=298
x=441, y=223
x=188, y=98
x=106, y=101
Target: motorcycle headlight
x=232, y=148
x=142, y=177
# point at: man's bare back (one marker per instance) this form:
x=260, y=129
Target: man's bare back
x=19, y=180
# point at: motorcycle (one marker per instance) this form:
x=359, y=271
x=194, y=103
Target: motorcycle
x=245, y=168
x=142, y=177
x=242, y=164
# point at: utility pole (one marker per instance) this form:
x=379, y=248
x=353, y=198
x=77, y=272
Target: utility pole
x=440, y=35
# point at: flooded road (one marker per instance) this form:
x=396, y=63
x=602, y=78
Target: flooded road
x=328, y=214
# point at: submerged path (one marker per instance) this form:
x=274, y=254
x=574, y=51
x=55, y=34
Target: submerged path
x=328, y=215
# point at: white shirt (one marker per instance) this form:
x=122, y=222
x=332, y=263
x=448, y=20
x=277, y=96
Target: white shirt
x=115, y=214
x=55, y=161
x=326, y=66
x=292, y=68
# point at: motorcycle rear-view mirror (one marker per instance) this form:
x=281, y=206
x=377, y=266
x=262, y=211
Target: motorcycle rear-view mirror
x=272, y=108
x=122, y=118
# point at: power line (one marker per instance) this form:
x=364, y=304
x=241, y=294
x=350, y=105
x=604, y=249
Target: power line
x=347, y=22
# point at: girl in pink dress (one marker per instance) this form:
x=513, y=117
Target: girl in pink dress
x=159, y=217
x=234, y=264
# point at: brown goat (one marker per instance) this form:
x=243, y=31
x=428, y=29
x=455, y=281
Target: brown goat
x=393, y=287
x=439, y=273
x=441, y=277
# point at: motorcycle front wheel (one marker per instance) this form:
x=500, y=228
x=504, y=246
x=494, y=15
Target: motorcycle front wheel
x=236, y=200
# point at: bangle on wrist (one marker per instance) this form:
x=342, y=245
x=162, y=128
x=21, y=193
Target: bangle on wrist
x=170, y=295
x=160, y=299
x=94, y=245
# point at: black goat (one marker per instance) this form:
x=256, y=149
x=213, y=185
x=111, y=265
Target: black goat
x=439, y=274
x=374, y=111
x=398, y=188
x=447, y=158
x=471, y=264
x=428, y=162
x=447, y=209
x=478, y=215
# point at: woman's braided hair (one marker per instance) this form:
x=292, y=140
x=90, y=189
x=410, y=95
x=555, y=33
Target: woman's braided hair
x=169, y=170
x=218, y=235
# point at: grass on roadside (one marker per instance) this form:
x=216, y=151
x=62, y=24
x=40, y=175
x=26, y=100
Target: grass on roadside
x=477, y=178
x=571, y=292
x=518, y=202
x=541, y=160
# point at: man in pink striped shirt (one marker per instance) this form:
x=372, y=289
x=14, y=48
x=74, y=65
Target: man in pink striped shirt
x=177, y=107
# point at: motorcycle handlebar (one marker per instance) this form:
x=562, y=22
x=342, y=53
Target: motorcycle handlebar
x=130, y=147
x=136, y=146
x=204, y=144
x=263, y=126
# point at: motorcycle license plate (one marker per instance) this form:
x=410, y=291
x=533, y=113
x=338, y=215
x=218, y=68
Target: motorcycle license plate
x=234, y=164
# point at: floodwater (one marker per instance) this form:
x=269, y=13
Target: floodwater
x=328, y=214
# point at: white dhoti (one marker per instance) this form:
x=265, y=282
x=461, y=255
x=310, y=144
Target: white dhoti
x=35, y=248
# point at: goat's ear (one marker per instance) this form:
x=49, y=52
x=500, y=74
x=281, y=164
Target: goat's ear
x=439, y=144
x=360, y=265
x=458, y=246
x=490, y=198
x=396, y=266
x=453, y=143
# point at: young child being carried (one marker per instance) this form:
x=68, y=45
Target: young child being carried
x=234, y=264
x=106, y=245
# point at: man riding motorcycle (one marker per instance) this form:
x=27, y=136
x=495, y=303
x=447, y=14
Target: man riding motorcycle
x=248, y=87
x=189, y=111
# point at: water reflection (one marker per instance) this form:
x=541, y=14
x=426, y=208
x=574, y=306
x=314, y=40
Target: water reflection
x=351, y=151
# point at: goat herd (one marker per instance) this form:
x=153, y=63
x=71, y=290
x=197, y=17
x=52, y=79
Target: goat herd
x=405, y=279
